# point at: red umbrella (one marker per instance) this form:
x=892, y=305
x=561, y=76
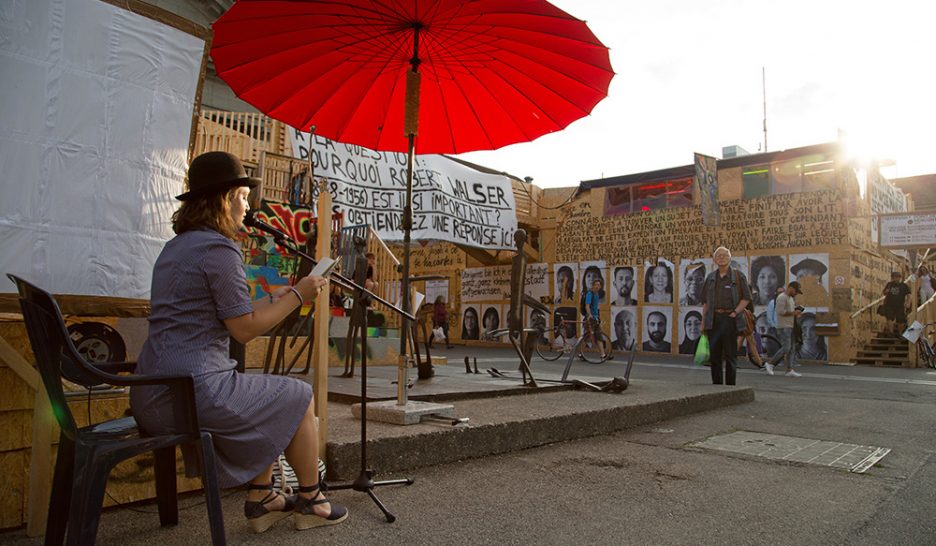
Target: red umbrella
x=465, y=74
x=494, y=72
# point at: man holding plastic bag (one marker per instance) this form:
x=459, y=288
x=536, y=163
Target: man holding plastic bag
x=725, y=295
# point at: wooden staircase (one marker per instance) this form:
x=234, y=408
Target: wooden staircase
x=884, y=351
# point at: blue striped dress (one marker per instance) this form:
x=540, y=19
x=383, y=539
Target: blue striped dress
x=198, y=282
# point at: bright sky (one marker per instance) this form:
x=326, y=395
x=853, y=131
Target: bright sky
x=688, y=79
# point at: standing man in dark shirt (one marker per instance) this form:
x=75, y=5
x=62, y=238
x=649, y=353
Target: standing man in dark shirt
x=725, y=294
x=896, y=301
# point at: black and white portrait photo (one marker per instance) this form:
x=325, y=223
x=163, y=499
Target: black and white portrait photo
x=658, y=281
x=537, y=319
x=569, y=330
x=623, y=328
x=690, y=329
x=592, y=272
x=740, y=263
x=564, y=282
x=624, y=285
x=768, y=273
x=813, y=346
x=657, y=329
x=803, y=266
x=490, y=321
x=692, y=277
x=470, y=323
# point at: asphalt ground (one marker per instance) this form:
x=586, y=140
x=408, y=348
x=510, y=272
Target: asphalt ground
x=649, y=484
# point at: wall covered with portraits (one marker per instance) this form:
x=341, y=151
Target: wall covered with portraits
x=651, y=266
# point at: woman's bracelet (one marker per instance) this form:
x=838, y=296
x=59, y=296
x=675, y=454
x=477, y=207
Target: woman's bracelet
x=298, y=295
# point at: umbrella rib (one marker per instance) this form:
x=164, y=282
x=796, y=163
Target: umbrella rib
x=521, y=93
x=357, y=108
x=597, y=44
x=297, y=67
x=524, y=95
x=358, y=39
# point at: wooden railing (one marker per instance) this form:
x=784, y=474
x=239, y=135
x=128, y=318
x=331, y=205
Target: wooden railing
x=244, y=134
x=285, y=179
x=526, y=197
x=386, y=274
x=926, y=312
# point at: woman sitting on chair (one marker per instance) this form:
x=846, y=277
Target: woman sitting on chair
x=200, y=300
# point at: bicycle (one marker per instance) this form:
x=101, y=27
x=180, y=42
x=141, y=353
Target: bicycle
x=593, y=346
x=767, y=340
x=926, y=349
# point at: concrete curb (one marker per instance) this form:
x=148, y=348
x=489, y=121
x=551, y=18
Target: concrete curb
x=453, y=444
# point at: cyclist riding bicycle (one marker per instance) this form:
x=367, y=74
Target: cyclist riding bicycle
x=590, y=306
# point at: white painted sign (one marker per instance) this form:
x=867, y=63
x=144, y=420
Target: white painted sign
x=493, y=283
x=908, y=230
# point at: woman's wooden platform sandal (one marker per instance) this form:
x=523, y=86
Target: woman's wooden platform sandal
x=306, y=518
x=259, y=516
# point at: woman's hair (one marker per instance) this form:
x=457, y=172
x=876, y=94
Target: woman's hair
x=570, y=287
x=491, y=313
x=648, y=284
x=774, y=262
x=211, y=211
x=690, y=314
x=465, y=333
x=596, y=271
x=439, y=299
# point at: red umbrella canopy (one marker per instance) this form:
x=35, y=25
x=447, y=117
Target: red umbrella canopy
x=494, y=72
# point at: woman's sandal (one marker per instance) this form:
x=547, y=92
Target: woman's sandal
x=259, y=516
x=306, y=518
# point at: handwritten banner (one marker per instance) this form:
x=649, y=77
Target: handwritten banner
x=778, y=222
x=451, y=202
x=493, y=283
x=434, y=258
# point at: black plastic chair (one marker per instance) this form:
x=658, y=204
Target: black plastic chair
x=87, y=455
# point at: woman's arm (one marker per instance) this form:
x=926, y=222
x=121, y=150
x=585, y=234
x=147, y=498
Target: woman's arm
x=267, y=314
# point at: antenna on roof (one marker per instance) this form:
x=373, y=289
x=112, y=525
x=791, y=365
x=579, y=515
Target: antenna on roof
x=764, y=89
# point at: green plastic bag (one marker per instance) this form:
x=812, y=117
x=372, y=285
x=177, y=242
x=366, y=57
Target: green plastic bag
x=702, y=353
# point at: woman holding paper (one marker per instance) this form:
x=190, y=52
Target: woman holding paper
x=200, y=300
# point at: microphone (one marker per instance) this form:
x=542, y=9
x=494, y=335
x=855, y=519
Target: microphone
x=251, y=220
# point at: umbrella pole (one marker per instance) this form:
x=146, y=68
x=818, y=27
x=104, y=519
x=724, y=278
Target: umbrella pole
x=411, y=126
x=407, y=224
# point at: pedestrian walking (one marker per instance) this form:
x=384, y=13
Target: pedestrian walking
x=896, y=300
x=440, y=319
x=786, y=314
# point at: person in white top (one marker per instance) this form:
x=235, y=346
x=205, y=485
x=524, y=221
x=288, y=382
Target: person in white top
x=785, y=309
x=927, y=285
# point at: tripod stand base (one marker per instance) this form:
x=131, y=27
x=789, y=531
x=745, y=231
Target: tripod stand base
x=365, y=483
x=411, y=413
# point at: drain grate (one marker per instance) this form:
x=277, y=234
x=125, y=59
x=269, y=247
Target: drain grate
x=851, y=457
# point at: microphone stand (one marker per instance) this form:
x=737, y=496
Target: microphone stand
x=365, y=481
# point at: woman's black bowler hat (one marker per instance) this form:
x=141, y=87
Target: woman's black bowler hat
x=214, y=172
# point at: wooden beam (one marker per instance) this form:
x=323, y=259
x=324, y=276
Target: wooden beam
x=320, y=328
x=44, y=433
x=19, y=365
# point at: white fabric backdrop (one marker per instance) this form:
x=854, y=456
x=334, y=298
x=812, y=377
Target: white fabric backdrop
x=94, y=129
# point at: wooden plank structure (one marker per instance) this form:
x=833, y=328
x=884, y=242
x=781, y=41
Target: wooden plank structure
x=566, y=225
